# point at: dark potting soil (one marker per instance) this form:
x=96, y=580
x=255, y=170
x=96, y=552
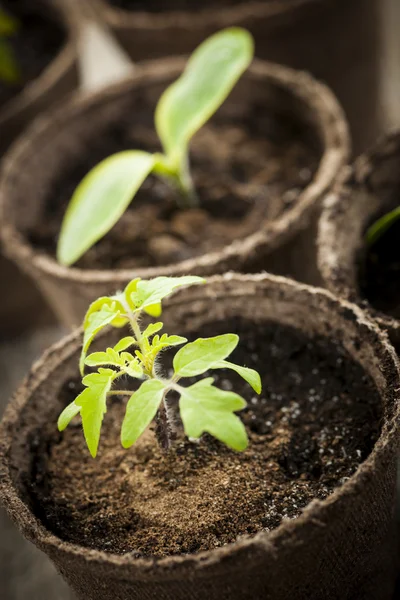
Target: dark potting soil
x=35, y=44
x=247, y=169
x=379, y=273
x=172, y=5
x=316, y=420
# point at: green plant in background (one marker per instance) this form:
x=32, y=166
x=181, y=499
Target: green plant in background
x=9, y=69
x=380, y=227
x=105, y=193
x=203, y=407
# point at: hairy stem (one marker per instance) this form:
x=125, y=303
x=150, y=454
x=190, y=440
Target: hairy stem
x=165, y=430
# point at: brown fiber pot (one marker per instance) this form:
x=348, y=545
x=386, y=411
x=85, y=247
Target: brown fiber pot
x=338, y=41
x=284, y=245
x=340, y=548
x=370, y=188
x=23, y=305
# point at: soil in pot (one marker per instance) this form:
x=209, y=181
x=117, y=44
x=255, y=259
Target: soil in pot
x=316, y=420
x=37, y=41
x=379, y=273
x=248, y=167
x=172, y=5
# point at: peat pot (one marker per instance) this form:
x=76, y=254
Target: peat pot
x=305, y=512
x=348, y=266
x=347, y=36
x=45, y=50
x=261, y=167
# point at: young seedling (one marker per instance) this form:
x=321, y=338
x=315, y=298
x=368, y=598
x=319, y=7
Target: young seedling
x=9, y=68
x=106, y=191
x=203, y=407
x=381, y=226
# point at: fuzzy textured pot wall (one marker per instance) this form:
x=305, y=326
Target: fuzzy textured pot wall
x=338, y=41
x=44, y=44
x=340, y=548
x=347, y=266
x=273, y=150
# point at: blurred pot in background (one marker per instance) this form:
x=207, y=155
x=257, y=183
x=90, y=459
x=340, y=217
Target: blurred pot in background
x=338, y=41
x=44, y=49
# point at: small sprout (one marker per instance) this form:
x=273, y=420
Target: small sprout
x=9, y=68
x=104, y=194
x=203, y=407
x=380, y=227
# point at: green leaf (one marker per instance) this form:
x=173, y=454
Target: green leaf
x=249, y=375
x=125, y=343
x=113, y=304
x=205, y=408
x=10, y=72
x=376, y=231
x=152, y=329
x=134, y=369
x=8, y=24
x=67, y=415
x=95, y=323
x=199, y=356
x=149, y=293
x=141, y=410
x=210, y=74
x=100, y=200
x=109, y=357
x=93, y=405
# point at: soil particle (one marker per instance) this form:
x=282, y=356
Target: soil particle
x=247, y=169
x=316, y=420
x=36, y=42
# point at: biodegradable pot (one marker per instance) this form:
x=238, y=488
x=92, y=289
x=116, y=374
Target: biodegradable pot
x=23, y=305
x=283, y=245
x=369, y=189
x=302, y=34
x=338, y=549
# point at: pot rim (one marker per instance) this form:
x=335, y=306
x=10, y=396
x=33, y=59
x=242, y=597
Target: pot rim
x=165, y=568
x=61, y=63
x=216, y=18
x=335, y=206
x=303, y=87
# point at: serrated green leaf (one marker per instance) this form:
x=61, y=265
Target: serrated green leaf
x=10, y=72
x=93, y=405
x=250, y=375
x=377, y=229
x=110, y=357
x=150, y=293
x=210, y=74
x=134, y=369
x=205, y=408
x=95, y=323
x=152, y=329
x=67, y=415
x=112, y=304
x=100, y=200
x=125, y=343
x=141, y=410
x=199, y=356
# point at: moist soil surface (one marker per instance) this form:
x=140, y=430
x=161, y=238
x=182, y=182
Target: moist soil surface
x=379, y=273
x=172, y=5
x=315, y=421
x=247, y=169
x=35, y=44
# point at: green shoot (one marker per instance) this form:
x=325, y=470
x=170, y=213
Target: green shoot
x=9, y=68
x=203, y=406
x=380, y=227
x=106, y=191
